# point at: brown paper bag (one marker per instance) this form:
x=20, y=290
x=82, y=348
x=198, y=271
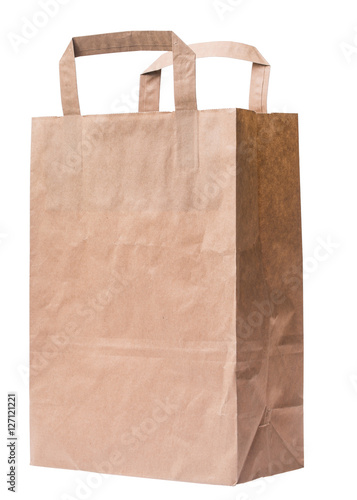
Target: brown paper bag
x=166, y=293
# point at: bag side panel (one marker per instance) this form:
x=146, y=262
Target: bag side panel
x=270, y=328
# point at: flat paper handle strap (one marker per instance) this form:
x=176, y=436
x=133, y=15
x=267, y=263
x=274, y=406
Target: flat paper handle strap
x=150, y=79
x=184, y=61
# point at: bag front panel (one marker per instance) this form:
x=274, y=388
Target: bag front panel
x=133, y=295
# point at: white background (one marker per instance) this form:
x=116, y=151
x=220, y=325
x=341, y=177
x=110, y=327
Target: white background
x=312, y=47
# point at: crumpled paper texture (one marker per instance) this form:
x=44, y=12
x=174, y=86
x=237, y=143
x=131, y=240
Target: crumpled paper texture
x=166, y=295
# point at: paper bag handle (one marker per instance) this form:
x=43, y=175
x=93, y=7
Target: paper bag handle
x=150, y=79
x=184, y=61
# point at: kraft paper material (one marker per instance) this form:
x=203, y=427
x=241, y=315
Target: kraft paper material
x=166, y=332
